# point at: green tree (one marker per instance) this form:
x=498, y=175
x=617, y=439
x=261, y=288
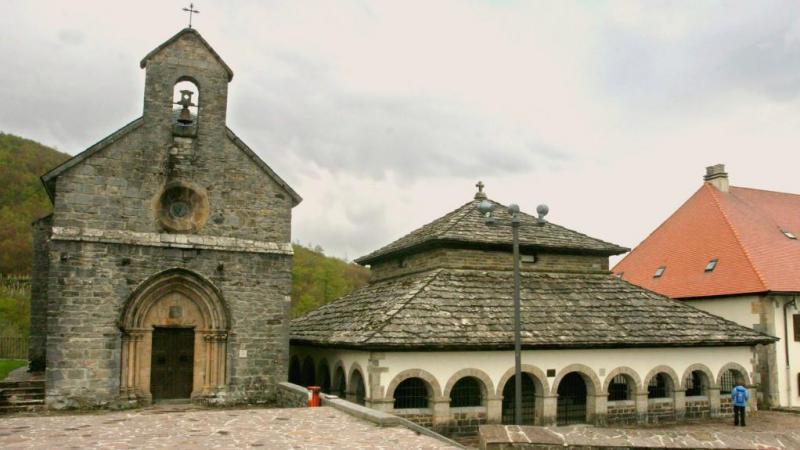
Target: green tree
x=318, y=279
x=22, y=198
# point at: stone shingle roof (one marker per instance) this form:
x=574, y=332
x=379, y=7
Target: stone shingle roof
x=472, y=309
x=466, y=225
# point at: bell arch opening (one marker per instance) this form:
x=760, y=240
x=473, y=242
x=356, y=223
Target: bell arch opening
x=175, y=303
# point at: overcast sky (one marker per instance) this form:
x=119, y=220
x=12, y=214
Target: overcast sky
x=384, y=114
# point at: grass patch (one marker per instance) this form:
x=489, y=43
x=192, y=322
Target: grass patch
x=7, y=365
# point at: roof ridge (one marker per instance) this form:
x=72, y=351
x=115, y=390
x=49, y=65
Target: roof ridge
x=765, y=190
x=735, y=232
x=404, y=304
x=459, y=219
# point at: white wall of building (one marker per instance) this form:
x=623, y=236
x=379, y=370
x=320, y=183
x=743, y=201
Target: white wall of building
x=443, y=365
x=744, y=310
x=738, y=309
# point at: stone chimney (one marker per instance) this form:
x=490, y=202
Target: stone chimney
x=717, y=176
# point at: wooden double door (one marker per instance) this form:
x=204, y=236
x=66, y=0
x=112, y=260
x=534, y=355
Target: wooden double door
x=172, y=364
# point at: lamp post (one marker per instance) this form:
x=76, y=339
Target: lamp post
x=486, y=207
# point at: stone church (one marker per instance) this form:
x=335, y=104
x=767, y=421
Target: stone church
x=164, y=271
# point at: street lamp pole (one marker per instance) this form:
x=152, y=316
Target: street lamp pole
x=517, y=326
x=486, y=207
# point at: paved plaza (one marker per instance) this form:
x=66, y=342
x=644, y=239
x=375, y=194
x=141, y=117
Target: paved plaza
x=765, y=430
x=193, y=428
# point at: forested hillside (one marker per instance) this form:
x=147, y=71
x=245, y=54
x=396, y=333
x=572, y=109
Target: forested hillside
x=22, y=197
x=316, y=279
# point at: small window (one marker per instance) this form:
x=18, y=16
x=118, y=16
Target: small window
x=411, y=393
x=619, y=389
x=789, y=234
x=659, y=272
x=658, y=387
x=466, y=392
x=796, y=319
x=711, y=265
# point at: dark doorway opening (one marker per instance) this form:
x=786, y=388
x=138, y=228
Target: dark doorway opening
x=571, y=400
x=528, y=400
x=172, y=363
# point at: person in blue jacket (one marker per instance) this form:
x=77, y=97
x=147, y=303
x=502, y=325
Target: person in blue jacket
x=739, y=395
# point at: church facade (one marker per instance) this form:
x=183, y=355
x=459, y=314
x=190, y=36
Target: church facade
x=430, y=337
x=164, y=271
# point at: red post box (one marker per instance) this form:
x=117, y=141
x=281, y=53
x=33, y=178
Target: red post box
x=313, y=397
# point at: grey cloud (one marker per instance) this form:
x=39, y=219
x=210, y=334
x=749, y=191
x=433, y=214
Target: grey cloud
x=374, y=136
x=742, y=48
x=71, y=36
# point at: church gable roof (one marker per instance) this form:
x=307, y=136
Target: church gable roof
x=178, y=35
x=49, y=179
x=296, y=199
x=470, y=309
x=743, y=229
x=466, y=225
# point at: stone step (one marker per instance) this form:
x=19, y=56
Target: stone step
x=18, y=384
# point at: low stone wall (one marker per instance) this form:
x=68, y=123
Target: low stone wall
x=726, y=406
x=660, y=410
x=422, y=417
x=697, y=408
x=621, y=412
x=290, y=395
x=465, y=421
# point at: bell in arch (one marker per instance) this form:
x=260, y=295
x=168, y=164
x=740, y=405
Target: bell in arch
x=185, y=116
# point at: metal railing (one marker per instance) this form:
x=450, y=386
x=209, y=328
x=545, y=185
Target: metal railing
x=12, y=347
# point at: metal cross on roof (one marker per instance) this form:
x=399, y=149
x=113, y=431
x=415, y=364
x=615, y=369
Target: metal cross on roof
x=480, y=193
x=191, y=11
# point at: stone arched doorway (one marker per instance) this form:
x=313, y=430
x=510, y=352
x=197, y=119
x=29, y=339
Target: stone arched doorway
x=174, y=339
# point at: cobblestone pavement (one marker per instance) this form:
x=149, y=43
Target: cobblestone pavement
x=764, y=430
x=191, y=428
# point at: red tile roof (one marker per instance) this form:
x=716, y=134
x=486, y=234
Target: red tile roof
x=742, y=228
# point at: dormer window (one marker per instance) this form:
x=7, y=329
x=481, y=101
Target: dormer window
x=711, y=265
x=789, y=234
x=659, y=272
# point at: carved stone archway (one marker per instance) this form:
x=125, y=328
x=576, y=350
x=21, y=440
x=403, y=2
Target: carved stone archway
x=174, y=299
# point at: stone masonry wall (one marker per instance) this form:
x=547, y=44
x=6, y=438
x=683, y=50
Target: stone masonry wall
x=621, y=413
x=660, y=410
x=37, y=341
x=484, y=259
x=90, y=283
x=465, y=421
x=697, y=408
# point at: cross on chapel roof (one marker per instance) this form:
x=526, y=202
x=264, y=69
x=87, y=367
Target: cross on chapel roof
x=480, y=194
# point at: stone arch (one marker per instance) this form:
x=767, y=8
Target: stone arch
x=592, y=381
x=324, y=375
x=356, y=384
x=174, y=298
x=339, y=381
x=309, y=371
x=669, y=371
x=433, y=384
x=710, y=378
x=486, y=382
x=733, y=366
x=539, y=379
x=295, y=370
x=622, y=370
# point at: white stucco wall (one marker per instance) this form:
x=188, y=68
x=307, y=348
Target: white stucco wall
x=738, y=309
x=787, y=380
x=443, y=365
